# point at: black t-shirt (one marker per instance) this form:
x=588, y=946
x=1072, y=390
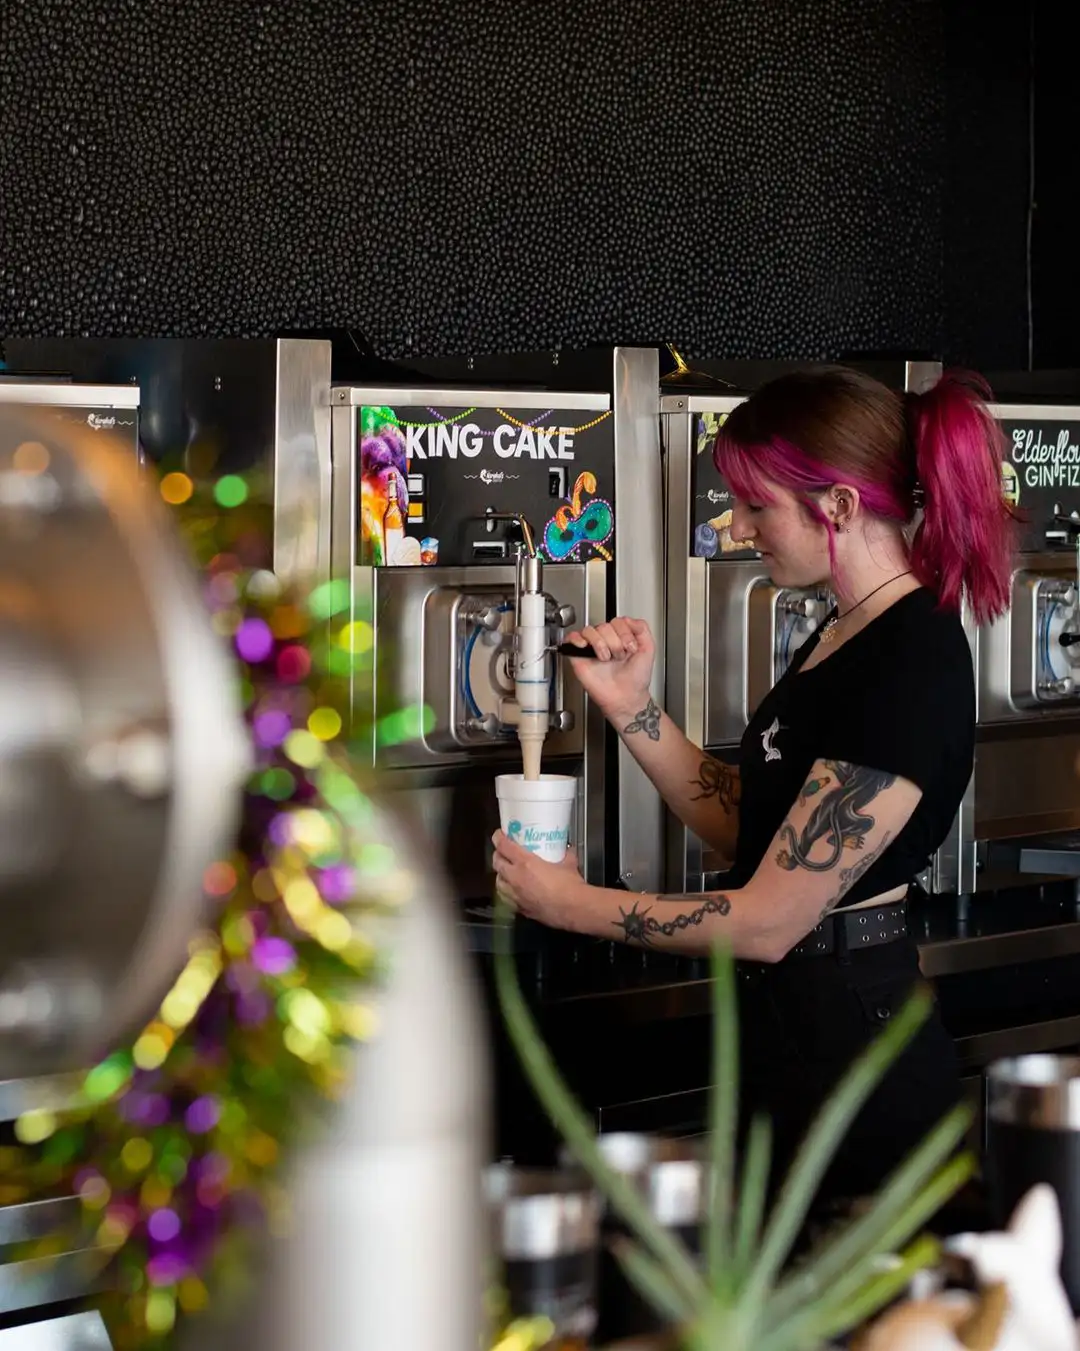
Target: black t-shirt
x=898, y=696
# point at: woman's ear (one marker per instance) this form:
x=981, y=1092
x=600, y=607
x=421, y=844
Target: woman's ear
x=842, y=506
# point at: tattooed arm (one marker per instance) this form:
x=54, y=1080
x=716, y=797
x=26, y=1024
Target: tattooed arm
x=842, y=822
x=702, y=791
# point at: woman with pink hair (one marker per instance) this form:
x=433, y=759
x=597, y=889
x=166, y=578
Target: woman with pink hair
x=853, y=767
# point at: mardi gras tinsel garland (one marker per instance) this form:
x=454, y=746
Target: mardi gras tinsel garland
x=174, y=1144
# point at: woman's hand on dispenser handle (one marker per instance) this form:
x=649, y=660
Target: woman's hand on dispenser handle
x=618, y=673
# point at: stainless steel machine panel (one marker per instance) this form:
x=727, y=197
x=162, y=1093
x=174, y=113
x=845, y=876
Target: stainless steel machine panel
x=639, y=591
x=111, y=410
x=441, y=616
x=1025, y=674
x=420, y=636
x=258, y=407
x=1026, y=781
x=754, y=630
x=686, y=622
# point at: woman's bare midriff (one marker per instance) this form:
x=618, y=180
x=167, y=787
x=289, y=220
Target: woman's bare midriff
x=886, y=898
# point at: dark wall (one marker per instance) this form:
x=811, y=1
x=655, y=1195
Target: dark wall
x=743, y=177
x=1056, y=279
x=987, y=182
x=746, y=179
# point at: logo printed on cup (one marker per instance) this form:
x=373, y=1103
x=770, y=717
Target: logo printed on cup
x=534, y=838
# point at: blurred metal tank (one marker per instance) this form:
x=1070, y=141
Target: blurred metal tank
x=122, y=760
x=122, y=746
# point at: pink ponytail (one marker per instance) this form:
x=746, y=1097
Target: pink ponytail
x=966, y=539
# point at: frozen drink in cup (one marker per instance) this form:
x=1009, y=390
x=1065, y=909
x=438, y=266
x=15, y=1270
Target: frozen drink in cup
x=536, y=813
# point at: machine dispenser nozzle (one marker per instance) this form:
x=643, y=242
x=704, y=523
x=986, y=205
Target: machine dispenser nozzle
x=532, y=647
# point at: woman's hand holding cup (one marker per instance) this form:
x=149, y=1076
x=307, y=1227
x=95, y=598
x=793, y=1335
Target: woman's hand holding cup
x=617, y=678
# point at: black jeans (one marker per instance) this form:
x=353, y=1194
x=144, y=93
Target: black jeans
x=803, y=1021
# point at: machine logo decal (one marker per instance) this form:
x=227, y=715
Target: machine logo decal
x=578, y=524
x=771, y=753
x=491, y=476
x=106, y=423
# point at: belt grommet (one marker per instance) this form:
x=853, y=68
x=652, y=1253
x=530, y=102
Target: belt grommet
x=862, y=919
x=866, y=938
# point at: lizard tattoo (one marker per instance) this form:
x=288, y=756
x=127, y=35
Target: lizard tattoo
x=715, y=779
x=639, y=926
x=840, y=818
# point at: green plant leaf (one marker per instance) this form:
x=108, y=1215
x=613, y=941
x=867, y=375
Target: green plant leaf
x=881, y=1227
x=723, y=1119
x=879, y=1291
x=576, y=1128
x=752, y=1192
x=824, y=1137
x=844, y=1295
x=649, y=1279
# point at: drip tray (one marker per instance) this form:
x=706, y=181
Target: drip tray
x=1057, y=855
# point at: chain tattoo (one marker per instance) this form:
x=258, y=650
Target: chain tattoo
x=715, y=779
x=647, y=721
x=840, y=818
x=639, y=926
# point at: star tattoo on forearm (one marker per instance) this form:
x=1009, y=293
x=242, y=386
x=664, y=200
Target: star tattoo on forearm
x=640, y=926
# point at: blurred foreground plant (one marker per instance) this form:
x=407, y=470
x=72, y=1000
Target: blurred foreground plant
x=745, y=1296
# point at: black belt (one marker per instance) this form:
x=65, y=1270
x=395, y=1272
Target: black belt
x=848, y=930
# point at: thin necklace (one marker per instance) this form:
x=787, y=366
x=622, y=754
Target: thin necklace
x=828, y=631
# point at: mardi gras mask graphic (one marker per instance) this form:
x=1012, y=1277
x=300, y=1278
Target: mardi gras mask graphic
x=579, y=524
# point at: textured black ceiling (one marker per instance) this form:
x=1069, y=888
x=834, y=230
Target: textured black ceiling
x=746, y=179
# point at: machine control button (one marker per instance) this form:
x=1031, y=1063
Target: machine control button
x=562, y=720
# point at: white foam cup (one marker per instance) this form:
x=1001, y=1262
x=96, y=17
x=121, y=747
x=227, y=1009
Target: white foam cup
x=536, y=813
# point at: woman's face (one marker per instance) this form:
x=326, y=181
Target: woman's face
x=793, y=546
